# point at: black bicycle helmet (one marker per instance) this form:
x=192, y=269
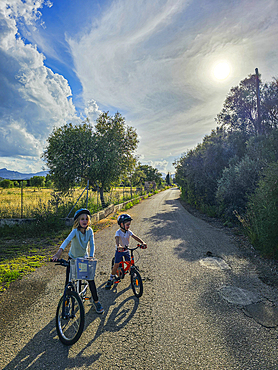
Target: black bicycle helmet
x=124, y=218
x=80, y=212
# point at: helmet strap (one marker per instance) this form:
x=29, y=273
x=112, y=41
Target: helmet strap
x=123, y=229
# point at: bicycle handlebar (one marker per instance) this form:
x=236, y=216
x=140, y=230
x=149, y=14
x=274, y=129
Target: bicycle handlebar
x=61, y=262
x=138, y=246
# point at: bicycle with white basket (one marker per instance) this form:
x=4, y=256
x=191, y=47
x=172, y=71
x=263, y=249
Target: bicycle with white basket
x=70, y=314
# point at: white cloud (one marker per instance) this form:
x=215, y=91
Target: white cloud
x=162, y=165
x=114, y=61
x=92, y=111
x=27, y=10
x=33, y=99
x=15, y=139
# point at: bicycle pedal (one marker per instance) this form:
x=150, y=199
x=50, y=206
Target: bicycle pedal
x=87, y=298
x=116, y=282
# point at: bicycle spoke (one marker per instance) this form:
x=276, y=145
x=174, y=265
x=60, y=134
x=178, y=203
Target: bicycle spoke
x=70, y=327
x=136, y=283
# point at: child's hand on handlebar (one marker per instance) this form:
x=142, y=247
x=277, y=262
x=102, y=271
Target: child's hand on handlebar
x=57, y=255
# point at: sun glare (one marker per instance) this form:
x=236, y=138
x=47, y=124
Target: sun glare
x=221, y=70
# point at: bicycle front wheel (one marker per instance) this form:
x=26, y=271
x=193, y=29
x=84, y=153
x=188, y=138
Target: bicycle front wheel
x=70, y=325
x=136, y=283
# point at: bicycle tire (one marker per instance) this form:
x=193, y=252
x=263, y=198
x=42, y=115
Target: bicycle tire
x=70, y=328
x=136, y=283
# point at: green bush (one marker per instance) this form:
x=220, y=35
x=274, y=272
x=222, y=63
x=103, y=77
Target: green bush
x=128, y=205
x=262, y=213
x=238, y=181
x=6, y=184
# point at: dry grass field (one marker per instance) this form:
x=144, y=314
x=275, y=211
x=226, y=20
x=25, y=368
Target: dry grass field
x=11, y=202
x=13, y=205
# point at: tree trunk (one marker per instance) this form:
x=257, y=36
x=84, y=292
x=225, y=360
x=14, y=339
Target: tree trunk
x=102, y=197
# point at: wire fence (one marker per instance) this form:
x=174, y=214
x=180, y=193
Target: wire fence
x=28, y=202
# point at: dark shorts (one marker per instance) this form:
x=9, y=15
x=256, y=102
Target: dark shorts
x=120, y=255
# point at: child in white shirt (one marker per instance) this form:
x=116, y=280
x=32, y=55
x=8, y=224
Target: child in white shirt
x=122, y=241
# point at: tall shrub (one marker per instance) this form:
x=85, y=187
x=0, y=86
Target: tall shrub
x=238, y=181
x=261, y=220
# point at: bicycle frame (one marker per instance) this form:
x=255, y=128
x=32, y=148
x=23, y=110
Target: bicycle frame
x=125, y=266
x=74, y=285
x=129, y=266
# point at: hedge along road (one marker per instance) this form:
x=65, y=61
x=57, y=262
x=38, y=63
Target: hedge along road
x=182, y=321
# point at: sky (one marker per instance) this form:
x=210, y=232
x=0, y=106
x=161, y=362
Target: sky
x=165, y=65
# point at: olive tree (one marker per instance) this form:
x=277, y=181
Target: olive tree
x=37, y=181
x=70, y=154
x=115, y=144
x=100, y=154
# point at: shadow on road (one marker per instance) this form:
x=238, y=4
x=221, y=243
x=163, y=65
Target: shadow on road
x=177, y=226
x=45, y=351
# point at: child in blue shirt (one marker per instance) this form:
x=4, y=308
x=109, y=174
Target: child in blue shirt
x=122, y=240
x=81, y=237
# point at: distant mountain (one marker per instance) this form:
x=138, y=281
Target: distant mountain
x=14, y=175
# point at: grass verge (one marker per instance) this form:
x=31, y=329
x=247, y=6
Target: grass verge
x=21, y=256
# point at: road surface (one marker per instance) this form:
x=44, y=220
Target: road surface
x=198, y=310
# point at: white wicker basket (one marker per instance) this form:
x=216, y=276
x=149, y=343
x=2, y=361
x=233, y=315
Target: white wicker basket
x=82, y=269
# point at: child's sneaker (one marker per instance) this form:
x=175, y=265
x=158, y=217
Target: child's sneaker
x=109, y=284
x=98, y=306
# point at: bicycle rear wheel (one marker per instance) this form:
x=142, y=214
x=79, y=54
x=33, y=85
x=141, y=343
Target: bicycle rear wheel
x=70, y=326
x=136, y=283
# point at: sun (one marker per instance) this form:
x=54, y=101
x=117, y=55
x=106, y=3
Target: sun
x=221, y=70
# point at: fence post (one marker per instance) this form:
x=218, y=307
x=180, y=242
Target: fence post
x=97, y=196
x=259, y=128
x=21, y=213
x=77, y=201
x=87, y=194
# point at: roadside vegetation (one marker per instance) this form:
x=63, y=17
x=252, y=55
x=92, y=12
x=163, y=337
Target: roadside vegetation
x=233, y=173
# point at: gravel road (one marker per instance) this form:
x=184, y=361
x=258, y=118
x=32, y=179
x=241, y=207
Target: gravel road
x=182, y=321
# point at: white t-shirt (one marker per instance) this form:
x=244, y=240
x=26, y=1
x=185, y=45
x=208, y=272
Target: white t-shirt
x=123, y=237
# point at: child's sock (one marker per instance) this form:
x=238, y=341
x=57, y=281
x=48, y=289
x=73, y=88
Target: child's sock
x=111, y=277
